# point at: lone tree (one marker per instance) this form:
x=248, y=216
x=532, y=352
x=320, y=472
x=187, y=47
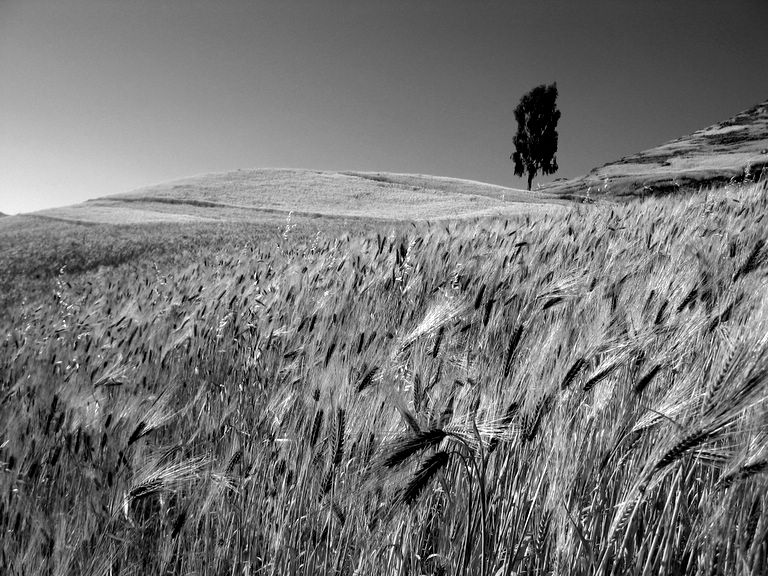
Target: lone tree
x=536, y=138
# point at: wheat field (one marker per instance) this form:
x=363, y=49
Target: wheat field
x=582, y=392
x=261, y=195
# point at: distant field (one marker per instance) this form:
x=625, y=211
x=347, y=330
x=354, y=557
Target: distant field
x=457, y=186
x=258, y=195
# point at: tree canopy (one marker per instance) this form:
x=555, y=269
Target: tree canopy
x=536, y=138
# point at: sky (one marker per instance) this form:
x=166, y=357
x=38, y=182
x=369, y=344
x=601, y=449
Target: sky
x=99, y=97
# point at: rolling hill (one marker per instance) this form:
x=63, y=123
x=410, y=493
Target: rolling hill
x=269, y=194
x=734, y=150
x=731, y=151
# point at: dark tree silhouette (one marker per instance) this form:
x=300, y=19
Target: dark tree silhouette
x=536, y=138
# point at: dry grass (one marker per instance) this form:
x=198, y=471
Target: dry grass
x=569, y=394
x=256, y=195
x=735, y=150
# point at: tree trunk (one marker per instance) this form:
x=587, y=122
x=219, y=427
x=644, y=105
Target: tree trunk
x=530, y=180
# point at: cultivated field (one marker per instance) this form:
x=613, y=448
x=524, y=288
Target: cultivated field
x=258, y=195
x=575, y=392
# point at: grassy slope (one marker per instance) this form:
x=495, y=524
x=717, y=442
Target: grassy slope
x=457, y=186
x=240, y=412
x=727, y=151
x=257, y=195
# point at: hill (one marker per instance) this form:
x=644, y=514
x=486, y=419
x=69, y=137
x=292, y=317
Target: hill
x=269, y=194
x=731, y=151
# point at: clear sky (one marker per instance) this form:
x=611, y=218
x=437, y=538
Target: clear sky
x=102, y=96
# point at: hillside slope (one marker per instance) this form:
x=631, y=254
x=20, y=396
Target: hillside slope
x=267, y=194
x=733, y=150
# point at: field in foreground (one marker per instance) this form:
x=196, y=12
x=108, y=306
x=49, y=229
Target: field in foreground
x=567, y=394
